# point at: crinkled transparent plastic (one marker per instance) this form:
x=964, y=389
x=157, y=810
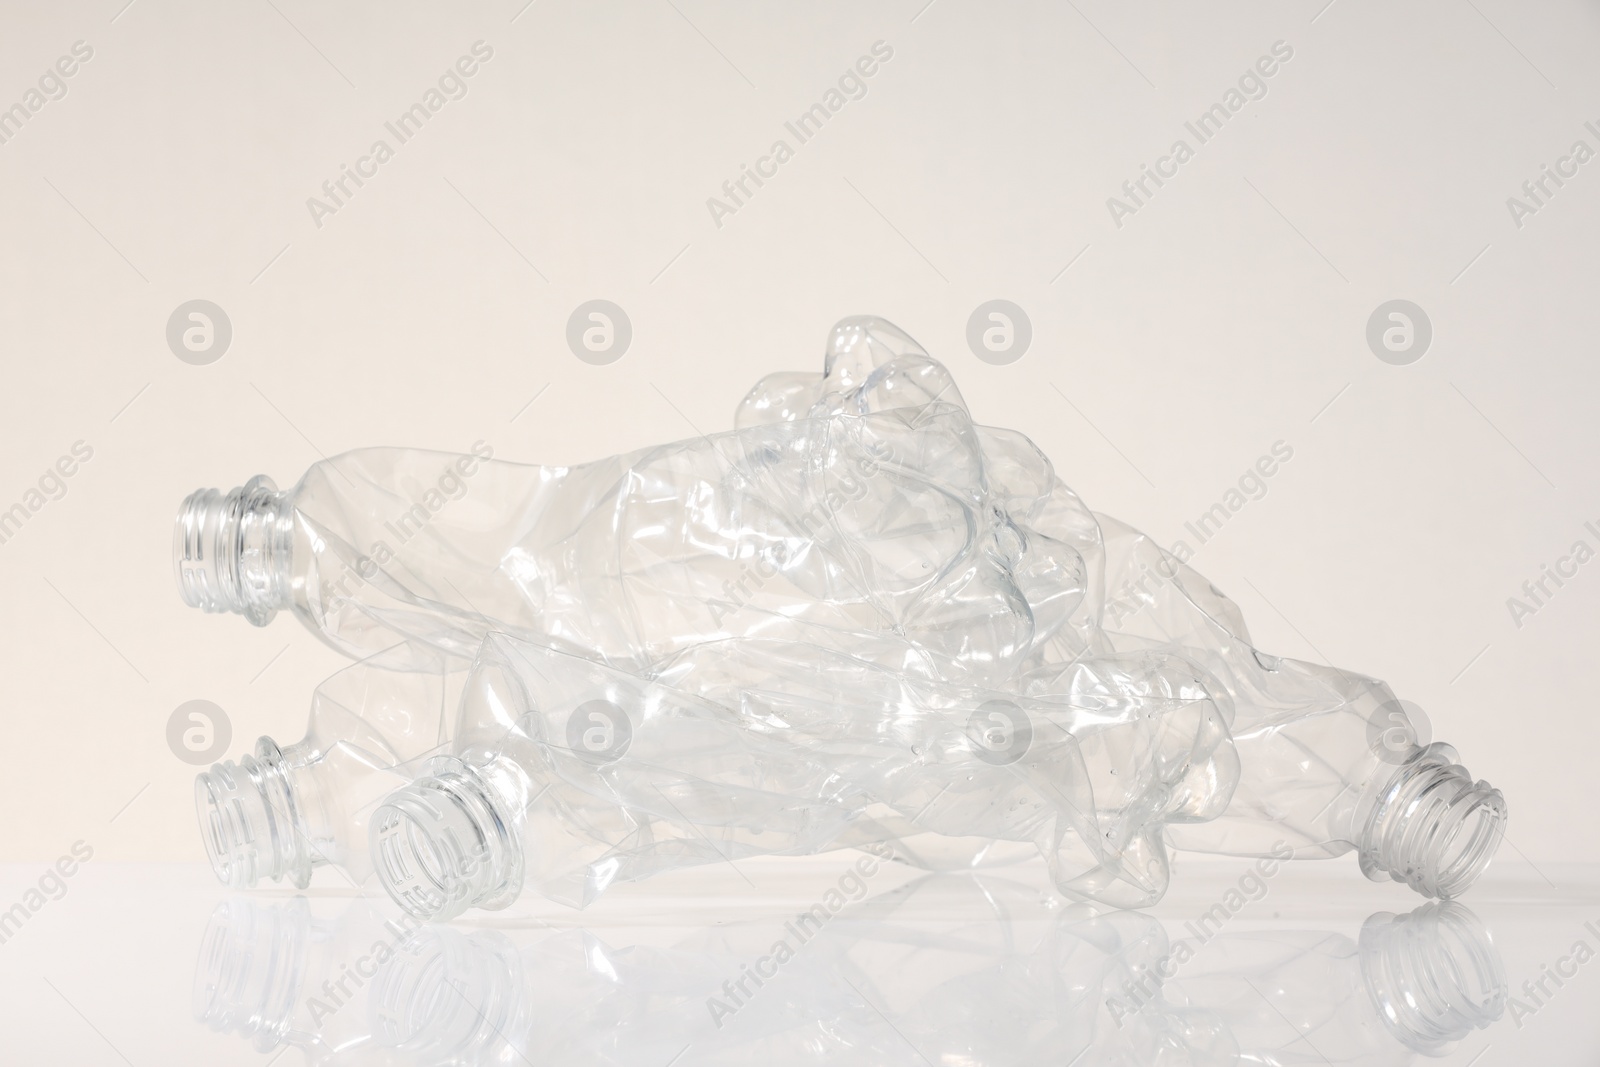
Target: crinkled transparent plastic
x=286, y=809
x=860, y=520
x=874, y=520
x=571, y=776
x=946, y=970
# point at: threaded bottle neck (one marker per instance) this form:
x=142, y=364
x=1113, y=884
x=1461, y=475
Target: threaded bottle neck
x=1431, y=826
x=231, y=551
x=441, y=845
x=255, y=820
x=1433, y=974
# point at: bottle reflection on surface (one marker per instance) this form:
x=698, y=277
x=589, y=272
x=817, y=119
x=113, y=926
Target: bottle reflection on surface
x=1413, y=983
x=278, y=975
x=949, y=969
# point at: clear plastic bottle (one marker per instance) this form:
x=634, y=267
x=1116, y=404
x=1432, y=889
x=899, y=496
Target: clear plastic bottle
x=285, y=809
x=858, y=511
x=873, y=516
x=1329, y=758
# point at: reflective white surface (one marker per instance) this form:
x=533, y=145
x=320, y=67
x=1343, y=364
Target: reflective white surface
x=148, y=964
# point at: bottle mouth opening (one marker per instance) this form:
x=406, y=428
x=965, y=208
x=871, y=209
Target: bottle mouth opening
x=1434, y=828
x=1476, y=827
x=412, y=871
x=435, y=848
x=220, y=828
x=223, y=547
x=247, y=816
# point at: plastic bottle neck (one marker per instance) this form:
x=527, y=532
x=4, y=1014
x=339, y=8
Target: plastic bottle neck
x=447, y=843
x=264, y=817
x=1431, y=826
x=231, y=551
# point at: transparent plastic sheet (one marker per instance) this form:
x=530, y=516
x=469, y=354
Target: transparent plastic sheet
x=947, y=969
x=860, y=519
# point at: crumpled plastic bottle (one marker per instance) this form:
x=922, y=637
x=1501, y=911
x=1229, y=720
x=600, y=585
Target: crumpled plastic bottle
x=1319, y=747
x=860, y=514
x=875, y=519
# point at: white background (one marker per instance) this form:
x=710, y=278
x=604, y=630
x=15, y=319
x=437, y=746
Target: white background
x=1227, y=314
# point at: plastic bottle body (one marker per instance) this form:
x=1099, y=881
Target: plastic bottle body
x=872, y=515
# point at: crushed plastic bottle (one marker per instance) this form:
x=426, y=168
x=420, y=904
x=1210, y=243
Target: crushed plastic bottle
x=860, y=520
x=872, y=521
